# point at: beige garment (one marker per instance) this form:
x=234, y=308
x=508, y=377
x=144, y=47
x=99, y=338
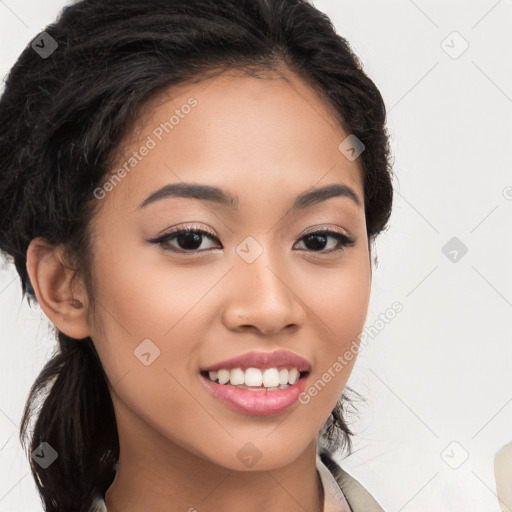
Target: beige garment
x=334, y=499
x=357, y=497
x=503, y=475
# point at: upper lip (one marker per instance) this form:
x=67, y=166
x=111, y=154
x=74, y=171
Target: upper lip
x=263, y=360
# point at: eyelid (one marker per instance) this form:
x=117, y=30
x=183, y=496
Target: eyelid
x=326, y=227
x=192, y=227
x=184, y=227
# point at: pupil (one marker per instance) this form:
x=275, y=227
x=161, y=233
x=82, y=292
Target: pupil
x=184, y=237
x=315, y=245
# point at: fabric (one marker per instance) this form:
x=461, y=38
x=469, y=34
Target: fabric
x=358, y=498
x=334, y=499
x=503, y=475
x=342, y=492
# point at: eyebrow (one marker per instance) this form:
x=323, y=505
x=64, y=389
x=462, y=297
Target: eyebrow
x=223, y=198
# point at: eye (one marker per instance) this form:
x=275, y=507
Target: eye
x=190, y=238
x=317, y=240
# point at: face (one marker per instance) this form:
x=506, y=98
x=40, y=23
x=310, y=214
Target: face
x=169, y=306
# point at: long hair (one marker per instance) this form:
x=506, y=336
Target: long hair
x=64, y=115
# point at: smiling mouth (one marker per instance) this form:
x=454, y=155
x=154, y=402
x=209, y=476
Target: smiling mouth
x=277, y=381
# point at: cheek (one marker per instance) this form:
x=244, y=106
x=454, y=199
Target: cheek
x=345, y=309
x=339, y=297
x=147, y=307
x=338, y=300
x=148, y=342
x=146, y=293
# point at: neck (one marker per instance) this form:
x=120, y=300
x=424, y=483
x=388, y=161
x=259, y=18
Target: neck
x=159, y=475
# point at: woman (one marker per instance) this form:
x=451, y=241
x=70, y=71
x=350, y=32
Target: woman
x=191, y=191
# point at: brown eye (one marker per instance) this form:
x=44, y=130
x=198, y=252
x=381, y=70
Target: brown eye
x=318, y=240
x=187, y=239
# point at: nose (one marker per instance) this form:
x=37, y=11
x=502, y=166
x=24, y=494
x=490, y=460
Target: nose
x=263, y=299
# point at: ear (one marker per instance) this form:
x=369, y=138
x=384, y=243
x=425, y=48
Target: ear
x=52, y=284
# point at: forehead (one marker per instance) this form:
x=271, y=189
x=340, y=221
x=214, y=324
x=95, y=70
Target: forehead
x=241, y=132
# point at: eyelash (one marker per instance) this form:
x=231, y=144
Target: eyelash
x=344, y=240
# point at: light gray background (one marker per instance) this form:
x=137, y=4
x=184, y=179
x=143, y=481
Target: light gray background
x=437, y=378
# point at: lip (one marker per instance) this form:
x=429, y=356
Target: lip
x=258, y=403
x=262, y=360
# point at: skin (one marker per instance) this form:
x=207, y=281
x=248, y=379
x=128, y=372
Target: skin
x=265, y=141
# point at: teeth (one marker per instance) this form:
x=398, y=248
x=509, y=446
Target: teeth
x=271, y=378
x=293, y=375
x=223, y=376
x=236, y=377
x=254, y=377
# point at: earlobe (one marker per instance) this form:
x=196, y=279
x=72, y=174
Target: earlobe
x=51, y=280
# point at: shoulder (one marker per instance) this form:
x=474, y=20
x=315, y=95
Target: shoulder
x=358, y=498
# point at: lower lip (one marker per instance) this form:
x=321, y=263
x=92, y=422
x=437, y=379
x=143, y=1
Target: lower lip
x=259, y=403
